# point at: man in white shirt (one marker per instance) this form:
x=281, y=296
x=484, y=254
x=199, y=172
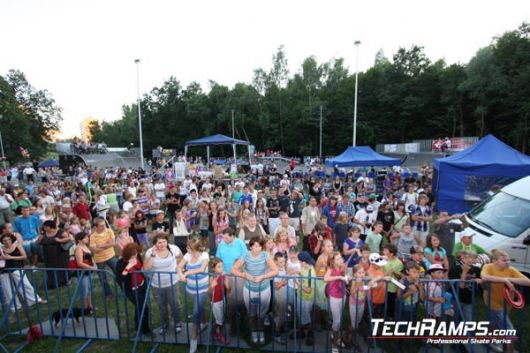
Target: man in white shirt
x=365, y=217
x=29, y=173
x=160, y=189
x=5, y=201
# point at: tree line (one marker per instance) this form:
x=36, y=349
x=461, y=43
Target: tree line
x=29, y=117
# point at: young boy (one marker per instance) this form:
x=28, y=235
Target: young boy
x=393, y=269
x=307, y=286
x=293, y=269
x=280, y=298
x=365, y=257
x=465, y=271
x=377, y=274
x=374, y=239
x=466, y=242
x=410, y=296
x=500, y=274
x=434, y=291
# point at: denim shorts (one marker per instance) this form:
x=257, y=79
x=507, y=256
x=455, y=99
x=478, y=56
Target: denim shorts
x=500, y=319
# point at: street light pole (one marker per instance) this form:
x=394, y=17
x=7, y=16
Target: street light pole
x=357, y=44
x=137, y=62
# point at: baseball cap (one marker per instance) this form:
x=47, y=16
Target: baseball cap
x=436, y=267
x=467, y=232
x=377, y=259
x=305, y=257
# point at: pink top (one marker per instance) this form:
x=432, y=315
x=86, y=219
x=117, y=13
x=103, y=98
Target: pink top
x=336, y=288
x=221, y=224
x=123, y=223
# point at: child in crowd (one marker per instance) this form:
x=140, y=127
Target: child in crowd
x=140, y=228
x=204, y=223
x=307, y=285
x=393, y=269
x=352, y=248
x=410, y=296
x=364, y=261
x=435, y=291
x=280, y=298
x=321, y=267
x=336, y=280
x=416, y=255
x=219, y=287
x=500, y=274
x=434, y=253
x=375, y=239
x=293, y=269
x=358, y=294
x=376, y=273
x=232, y=213
x=269, y=246
x=466, y=242
x=469, y=277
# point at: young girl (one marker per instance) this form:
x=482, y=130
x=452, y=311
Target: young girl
x=262, y=214
x=358, y=292
x=280, y=297
x=140, y=228
x=352, y=248
x=74, y=225
x=269, y=246
x=282, y=242
x=123, y=238
x=220, y=223
x=336, y=280
x=219, y=287
x=84, y=261
x=364, y=261
x=435, y=253
x=321, y=268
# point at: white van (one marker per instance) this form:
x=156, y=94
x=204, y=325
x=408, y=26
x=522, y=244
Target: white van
x=502, y=221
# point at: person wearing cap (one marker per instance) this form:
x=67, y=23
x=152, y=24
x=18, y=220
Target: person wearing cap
x=376, y=274
x=372, y=200
x=306, y=287
x=159, y=225
x=500, y=274
x=466, y=242
x=365, y=217
x=434, y=292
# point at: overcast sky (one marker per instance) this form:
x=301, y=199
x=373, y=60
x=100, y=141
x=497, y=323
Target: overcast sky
x=83, y=51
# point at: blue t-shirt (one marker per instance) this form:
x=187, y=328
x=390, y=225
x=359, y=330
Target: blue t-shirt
x=428, y=251
x=354, y=258
x=230, y=253
x=27, y=227
x=256, y=267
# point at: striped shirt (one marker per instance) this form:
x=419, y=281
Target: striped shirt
x=256, y=267
x=197, y=283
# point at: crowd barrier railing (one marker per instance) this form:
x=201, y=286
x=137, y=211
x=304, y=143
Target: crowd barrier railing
x=278, y=318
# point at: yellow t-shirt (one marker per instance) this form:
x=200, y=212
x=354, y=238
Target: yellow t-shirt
x=101, y=239
x=497, y=297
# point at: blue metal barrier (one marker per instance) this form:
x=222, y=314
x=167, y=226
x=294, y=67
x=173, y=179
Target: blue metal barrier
x=111, y=318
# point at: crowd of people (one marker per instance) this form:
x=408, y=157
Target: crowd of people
x=263, y=248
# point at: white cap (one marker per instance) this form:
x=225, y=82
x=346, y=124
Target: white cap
x=467, y=232
x=377, y=259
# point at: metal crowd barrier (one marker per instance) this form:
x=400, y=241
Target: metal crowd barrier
x=50, y=299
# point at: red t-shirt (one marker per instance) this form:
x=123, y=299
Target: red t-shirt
x=136, y=277
x=218, y=292
x=81, y=210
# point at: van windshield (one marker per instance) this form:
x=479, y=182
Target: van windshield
x=504, y=214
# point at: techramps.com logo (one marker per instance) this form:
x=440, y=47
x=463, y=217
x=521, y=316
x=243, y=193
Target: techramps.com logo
x=433, y=332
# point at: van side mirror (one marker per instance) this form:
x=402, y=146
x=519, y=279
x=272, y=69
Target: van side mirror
x=526, y=241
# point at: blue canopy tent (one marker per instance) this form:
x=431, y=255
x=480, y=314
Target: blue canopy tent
x=49, y=163
x=464, y=178
x=361, y=156
x=217, y=139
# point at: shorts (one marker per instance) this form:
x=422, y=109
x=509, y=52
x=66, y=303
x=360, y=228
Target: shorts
x=198, y=306
x=218, y=309
x=31, y=247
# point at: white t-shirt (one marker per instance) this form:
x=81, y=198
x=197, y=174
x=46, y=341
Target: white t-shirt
x=127, y=205
x=160, y=190
x=409, y=199
x=290, y=232
x=297, y=268
x=367, y=218
x=165, y=264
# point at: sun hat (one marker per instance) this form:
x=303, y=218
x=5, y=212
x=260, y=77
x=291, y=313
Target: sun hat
x=377, y=259
x=467, y=232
